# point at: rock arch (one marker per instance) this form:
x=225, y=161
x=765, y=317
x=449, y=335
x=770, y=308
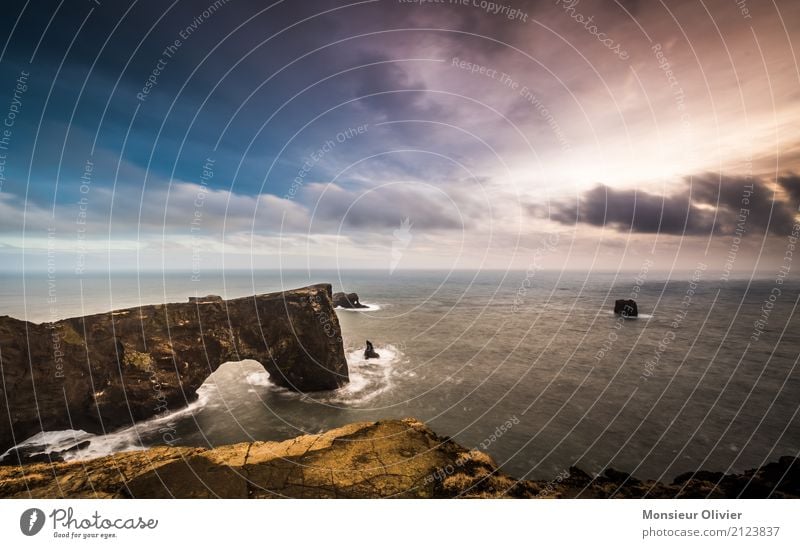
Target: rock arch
x=106, y=371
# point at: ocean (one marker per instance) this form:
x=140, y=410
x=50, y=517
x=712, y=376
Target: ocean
x=531, y=367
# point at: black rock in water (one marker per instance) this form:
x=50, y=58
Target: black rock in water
x=369, y=352
x=626, y=307
x=347, y=300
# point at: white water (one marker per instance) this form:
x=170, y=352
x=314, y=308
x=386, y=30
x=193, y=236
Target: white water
x=639, y=317
x=368, y=379
x=100, y=445
x=368, y=308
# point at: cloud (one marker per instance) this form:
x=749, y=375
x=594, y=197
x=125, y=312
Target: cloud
x=386, y=206
x=708, y=204
x=399, y=93
x=729, y=195
x=605, y=120
x=181, y=209
x=636, y=211
x=791, y=186
x=221, y=211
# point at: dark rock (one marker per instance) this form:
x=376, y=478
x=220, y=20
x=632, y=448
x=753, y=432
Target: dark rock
x=787, y=469
x=617, y=476
x=782, y=476
x=106, y=371
x=702, y=475
x=626, y=307
x=30, y=455
x=347, y=300
x=773, y=480
x=369, y=352
x=578, y=476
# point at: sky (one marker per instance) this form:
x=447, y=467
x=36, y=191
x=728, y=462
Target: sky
x=390, y=134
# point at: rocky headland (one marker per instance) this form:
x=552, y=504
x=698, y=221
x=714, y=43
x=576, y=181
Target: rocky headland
x=393, y=458
x=103, y=372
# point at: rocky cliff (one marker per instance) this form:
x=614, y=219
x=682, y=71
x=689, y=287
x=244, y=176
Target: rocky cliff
x=394, y=458
x=106, y=371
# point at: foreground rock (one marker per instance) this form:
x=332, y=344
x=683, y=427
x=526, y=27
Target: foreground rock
x=395, y=458
x=347, y=300
x=401, y=458
x=106, y=371
x=626, y=307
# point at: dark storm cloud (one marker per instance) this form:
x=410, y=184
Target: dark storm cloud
x=708, y=204
x=764, y=208
x=636, y=211
x=791, y=185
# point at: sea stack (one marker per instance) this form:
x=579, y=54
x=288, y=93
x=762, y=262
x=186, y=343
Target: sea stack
x=347, y=300
x=626, y=308
x=369, y=352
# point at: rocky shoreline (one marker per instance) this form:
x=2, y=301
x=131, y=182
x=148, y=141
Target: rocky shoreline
x=392, y=458
x=107, y=371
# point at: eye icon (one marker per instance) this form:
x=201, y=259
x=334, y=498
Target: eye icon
x=31, y=521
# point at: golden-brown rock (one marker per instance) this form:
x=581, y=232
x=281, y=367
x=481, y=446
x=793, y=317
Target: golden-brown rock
x=396, y=458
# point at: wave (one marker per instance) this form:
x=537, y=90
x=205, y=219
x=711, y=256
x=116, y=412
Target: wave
x=100, y=445
x=370, y=307
x=61, y=440
x=57, y=440
x=639, y=317
x=259, y=378
x=368, y=379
